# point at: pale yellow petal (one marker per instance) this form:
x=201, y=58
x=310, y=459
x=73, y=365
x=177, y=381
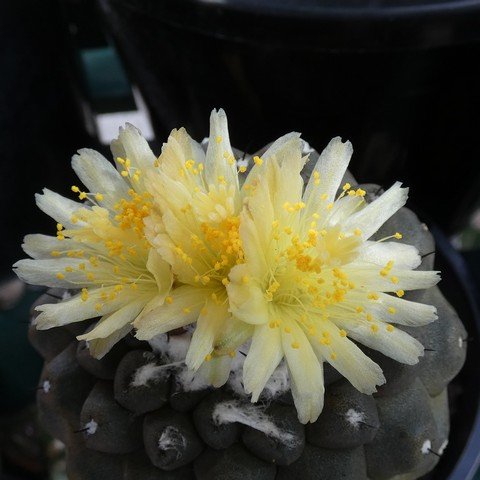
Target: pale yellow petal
x=403, y=255
x=306, y=372
x=51, y=272
x=375, y=214
x=264, y=355
x=393, y=343
x=100, y=176
x=362, y=372
x=220, y=161
x=216, y=371
x=109, y=324
x=247, y=300
x=59, y=208
x=99, y=347
x=331, y=167
x=181, y=309
x=39, y=246
x=212, y=319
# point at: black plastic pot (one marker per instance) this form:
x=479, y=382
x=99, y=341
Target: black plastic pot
x=398, y=78
x=462, y=457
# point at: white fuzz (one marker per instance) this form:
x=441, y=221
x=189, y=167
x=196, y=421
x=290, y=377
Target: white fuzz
x=354, y=418
x=174, y=347
x=443, y=446
x=277, y=384
x=190, y=381
x=46, y=385
x=426, y=447
x=151, y=372
x=234, y=411
x=460, y=342
x=91, y=427
x=172, y=439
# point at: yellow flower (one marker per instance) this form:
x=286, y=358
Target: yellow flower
x=194, y=226
x=311, y=281
x=100, y=249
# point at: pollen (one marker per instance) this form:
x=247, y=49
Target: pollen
x=242, y=169
x=343, y=333
x=400, y=293
x=169, y=300
x=390, y=328
x=374, y=328
x=295, y=345
x=391, y=310
x=60, y=276
x=398, y=236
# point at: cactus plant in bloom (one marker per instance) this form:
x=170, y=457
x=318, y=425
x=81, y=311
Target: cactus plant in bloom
x=280, y=316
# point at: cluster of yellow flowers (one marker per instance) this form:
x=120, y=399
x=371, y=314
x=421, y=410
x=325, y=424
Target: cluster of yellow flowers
x=257, y=259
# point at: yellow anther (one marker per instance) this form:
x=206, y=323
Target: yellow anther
x=257, y=160
x=225, y=281
x=351, y=193
x=55, y=253
x=232, y=354
x=98, y=307
x=242, y=169
x=186, y=310
x=400, y=293
x=60, y=276
x=288, y=230
x=369, y=317
x=121, y=161
x=390, y=328
x=82, y=196
x=208, y=357
x=90, y=276
x=384, y=272
x=343, y=333
x=124, y=173
x=218, y=139
x=295, y=345
x=84, y=295
x=69, y=269
x=81, y=266
x=323, y=196
x=346, y=187
x=316, y=175
x=275, y=224
x=391, y=310
x=360, y=192
x=398, y=235
x=329, y=206
x=357, y=232
x=287, y=330
x=333, y=356
x=372, y=296
x=75, y=189
x=359, y=309
x=394, y=279
x=374, y=328
x=59, y=227
x=323, y=233
x=205, y=279
x=169, y=300
x=99, y=197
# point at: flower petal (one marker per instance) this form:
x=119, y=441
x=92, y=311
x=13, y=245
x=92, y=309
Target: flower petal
x=331, y=167
x=405, y=312
x=59, y=208
x=99, y=347
x=131, y=145
x=306, y=373
x=219, y=160
x=100, y=176
x=403, y=255
x=109, y=324
x=265, y=353
x=395, y=344
x=375, y=214
x=217, y=371
x=39, y=246
x=212, y=320
x=44, y=272
x=340, y=352
x=161, y=271
x=232, y=335
x=247, y=301
x=74, y=310
x=184, y=309
x=367, y=277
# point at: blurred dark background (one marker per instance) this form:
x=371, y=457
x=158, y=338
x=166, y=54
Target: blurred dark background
x=400, y=79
